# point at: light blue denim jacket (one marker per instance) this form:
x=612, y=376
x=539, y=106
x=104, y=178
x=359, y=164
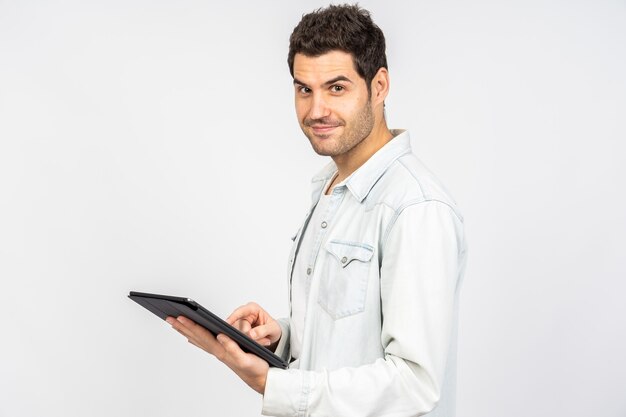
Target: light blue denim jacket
x=380, y=328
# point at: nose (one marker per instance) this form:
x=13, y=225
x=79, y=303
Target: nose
x=319, y=107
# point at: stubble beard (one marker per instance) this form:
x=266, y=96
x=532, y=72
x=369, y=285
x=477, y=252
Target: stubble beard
x=362, y=126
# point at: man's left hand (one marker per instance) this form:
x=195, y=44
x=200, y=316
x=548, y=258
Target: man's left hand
x=250, y=368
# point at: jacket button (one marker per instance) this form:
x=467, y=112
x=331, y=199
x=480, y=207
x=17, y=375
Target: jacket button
x=344, y=260
x=324, y=224
x=308, y=271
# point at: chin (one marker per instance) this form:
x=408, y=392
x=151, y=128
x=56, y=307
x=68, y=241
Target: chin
x=322, y=150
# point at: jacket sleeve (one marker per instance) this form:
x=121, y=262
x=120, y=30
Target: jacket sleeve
x=422, y=261
x=283, y=348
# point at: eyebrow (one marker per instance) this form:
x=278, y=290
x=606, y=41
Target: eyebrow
x=327, y=83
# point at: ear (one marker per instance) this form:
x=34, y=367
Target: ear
x=380, y=86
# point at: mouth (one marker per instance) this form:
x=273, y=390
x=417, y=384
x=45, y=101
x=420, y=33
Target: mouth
x=323, y=129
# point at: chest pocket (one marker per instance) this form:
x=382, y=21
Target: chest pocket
x=343, y=283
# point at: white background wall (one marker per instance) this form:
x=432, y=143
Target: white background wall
x=153, y=145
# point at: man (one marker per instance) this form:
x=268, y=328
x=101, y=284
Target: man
x=374, y=271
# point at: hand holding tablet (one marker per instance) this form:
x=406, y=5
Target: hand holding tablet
x=268, y=331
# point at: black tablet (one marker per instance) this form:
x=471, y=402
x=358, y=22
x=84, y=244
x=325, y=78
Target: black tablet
x=167, y=305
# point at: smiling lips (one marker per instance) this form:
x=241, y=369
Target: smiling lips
x=323, y=129
x=323, y=126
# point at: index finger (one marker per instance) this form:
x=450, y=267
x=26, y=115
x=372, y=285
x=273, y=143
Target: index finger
x=248, y=312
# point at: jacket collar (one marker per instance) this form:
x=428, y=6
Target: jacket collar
x=361, y=181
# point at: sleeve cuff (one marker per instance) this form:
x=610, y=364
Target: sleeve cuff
x=282, y=349
x=286, y=392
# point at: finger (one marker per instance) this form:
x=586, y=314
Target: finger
x=248, y=312
x=264, y=341
x=188, y=323
x=269, y=331
x=197, y=335
x=197, y=332
x=258, y=332
x=179, y=327
x=181, y=323
x=231, y=347
x=189, y=328
x=243, y=326
x=237, y=315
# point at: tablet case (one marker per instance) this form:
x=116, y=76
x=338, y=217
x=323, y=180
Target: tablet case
x=167, y=305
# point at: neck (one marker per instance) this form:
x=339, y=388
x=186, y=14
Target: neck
x=350, y=161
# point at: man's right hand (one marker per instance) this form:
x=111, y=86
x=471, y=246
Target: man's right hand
x=252, y=320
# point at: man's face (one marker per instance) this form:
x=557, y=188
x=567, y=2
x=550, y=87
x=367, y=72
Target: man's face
x=332, y=102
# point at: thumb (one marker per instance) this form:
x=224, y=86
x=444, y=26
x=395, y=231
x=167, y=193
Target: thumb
x=259, y=332
x=271, y=331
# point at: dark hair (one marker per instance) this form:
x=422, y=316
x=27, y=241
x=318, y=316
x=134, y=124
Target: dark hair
x=347, y=28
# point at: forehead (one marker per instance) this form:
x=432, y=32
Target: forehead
x=318, y=69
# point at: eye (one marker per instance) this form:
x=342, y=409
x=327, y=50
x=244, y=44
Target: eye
x=337, y=88
x=303, y=90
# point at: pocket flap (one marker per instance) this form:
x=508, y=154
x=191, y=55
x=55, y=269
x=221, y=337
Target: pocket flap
x=346, y=252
